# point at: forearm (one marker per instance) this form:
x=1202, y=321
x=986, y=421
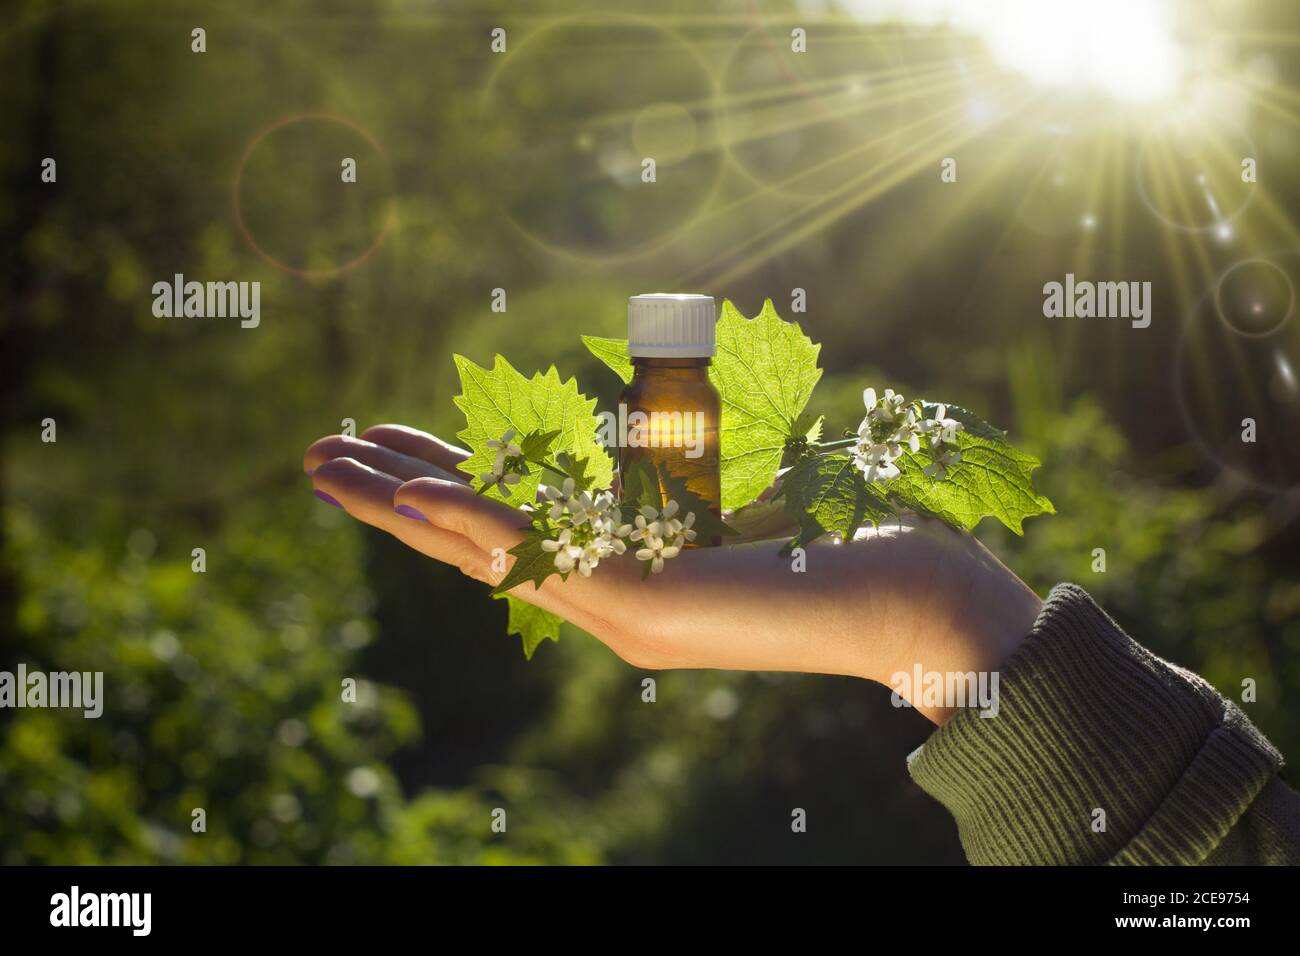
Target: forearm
x=1103, y=753
x=949, y=607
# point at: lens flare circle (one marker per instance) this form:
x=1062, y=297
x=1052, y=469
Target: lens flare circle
x=1254, y=298
x=1238, y=393
x=802, y=124
x=568, y=148
x=247, y=234
x=1189, y=177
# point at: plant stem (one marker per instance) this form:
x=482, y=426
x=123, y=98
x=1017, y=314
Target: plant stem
x=820, y=447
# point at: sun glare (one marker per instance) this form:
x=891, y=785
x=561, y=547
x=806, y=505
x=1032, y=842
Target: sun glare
x=1124, y=48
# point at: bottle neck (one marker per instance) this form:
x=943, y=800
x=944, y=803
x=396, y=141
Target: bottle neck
x=642, y=363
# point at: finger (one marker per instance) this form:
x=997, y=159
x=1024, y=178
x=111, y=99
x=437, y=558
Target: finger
x=492, y=528
x=486, y=522
x=372, y=497
x=418, y=444
x=401, y=466
x=367, y=495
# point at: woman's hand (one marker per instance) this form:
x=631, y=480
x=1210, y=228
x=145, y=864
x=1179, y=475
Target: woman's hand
x=898, y=596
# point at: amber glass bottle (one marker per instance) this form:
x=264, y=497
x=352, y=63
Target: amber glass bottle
x=669, y=413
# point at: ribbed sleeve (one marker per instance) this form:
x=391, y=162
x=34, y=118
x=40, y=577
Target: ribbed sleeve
x=1090, y=721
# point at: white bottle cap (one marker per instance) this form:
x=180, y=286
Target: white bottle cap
x=663, y=325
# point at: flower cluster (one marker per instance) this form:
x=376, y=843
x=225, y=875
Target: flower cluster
x=892, y=424
x=509, y=466
x=942, y=432
x=662, y=534
x=590, y=527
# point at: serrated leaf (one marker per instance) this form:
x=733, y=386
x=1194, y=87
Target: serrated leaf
x=764, y=370
x=498, y=399
x=827, y=494
x=537, y=445
x=531, y=623
x=532, y=563
x=613, y=352
x=576, y=468
x=992, y=480
x=644, y=486
x=639, y=487
x=707, y=525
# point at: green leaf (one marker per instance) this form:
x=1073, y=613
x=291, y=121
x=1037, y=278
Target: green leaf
x=536, y=445
x=993, y=479
x=827, y=494
x=532, y=564
x=498, y=399
x=639, y=487
x=613, y=352
x=707, y=525
x=531, y=623
x=643, y=486
x=809, y=427
x=764, y=370
x=576, y=468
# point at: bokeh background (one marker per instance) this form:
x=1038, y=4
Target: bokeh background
x=1095, y=138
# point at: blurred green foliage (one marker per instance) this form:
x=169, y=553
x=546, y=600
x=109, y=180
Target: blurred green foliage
x=224, y=688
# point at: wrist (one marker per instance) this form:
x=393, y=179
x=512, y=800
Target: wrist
x=958, y=615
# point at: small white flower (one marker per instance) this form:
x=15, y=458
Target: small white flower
x=944, y=451
x=580, y=507
x=617, y=531
x=941, y=427
x=907, y=431
x=655, y=523
x=505, y=445
x=566, y=552
x=504, y=479
x=645, y=530
x=657, y=551
x=885, y=409
x=508, y=466
x=606, y=517
x=589, y=556
x=875, y=461
x=558, y=498
x=561, y=541
x=948, y=433
x=945, y=456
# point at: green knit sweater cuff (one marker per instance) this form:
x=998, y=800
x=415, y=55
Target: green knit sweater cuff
x=1100, y=752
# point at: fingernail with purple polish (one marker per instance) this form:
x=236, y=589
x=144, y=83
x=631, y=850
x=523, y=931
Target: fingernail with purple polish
x=407, y=511
x=328, y=499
